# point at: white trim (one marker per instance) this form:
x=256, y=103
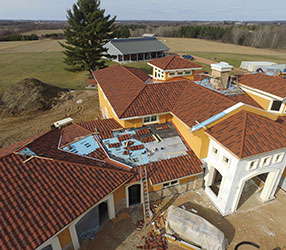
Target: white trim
x=185, y=69
x=256, y=93
x=114, y=47
x=260, y=91
x=139, y=117
x=150, y=122
x=168, y=70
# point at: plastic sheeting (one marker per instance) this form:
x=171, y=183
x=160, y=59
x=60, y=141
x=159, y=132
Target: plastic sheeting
x=194, y=229
x=267, y=67
x=89, y=225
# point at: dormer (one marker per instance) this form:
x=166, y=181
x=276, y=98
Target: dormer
x=173, y=66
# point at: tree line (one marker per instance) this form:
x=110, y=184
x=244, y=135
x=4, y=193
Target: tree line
x=255, y=35
x=17, y=37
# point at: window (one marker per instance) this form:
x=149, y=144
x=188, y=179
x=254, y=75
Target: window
x=152, y=118
x=225, y=160
x=188, y=72
x=265, y=161
x=166, y=184
x=276, y=105
x=278, y=158
x=252, y=165
x=214, y=152
x=172, y=74
x=180, y=73
x=172, y=183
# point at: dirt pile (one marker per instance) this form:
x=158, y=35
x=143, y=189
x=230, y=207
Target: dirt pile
x=30, y=95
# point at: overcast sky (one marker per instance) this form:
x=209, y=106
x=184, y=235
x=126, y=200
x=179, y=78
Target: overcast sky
x=152, y=9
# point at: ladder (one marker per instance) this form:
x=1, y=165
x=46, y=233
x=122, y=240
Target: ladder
x=145, y=194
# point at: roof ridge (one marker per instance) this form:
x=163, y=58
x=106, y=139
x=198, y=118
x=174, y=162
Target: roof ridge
x=126, y=68
x=243, y=133
x=144, y=85
x=186, y=86
x=171, y=58
x=133, y=101
x=83, y=164
x=214, y=92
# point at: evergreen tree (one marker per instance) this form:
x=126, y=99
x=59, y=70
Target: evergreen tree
x=86, y=34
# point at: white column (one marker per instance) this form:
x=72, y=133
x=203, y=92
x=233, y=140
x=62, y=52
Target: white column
x=74, y=237
x=110, y=207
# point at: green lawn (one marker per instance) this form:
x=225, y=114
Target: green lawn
x=46, y=66
x=43, y=60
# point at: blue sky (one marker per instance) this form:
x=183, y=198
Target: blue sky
x=152, y=9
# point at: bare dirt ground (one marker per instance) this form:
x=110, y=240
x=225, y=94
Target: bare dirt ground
x=261, y=223
x=15, y=129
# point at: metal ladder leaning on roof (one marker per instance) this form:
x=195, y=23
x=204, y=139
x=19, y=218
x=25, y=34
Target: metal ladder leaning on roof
x=146, y=202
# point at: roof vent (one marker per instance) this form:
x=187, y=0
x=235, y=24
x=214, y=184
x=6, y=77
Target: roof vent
x=62, y=123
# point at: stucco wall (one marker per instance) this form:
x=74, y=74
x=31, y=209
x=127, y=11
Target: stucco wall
x=236, y=173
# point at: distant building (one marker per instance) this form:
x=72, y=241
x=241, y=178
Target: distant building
x=136, y=49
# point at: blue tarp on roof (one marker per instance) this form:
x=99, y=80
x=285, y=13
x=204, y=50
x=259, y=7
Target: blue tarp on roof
x=84, y=146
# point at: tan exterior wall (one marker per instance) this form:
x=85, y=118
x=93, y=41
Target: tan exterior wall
x=119, y=194
x=264, y=103
x=65, y=237
x=190, y=77
x=135, y=123
x=104, y=104
x=198, y=141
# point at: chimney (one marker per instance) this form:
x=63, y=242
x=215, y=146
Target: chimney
x=220, y=75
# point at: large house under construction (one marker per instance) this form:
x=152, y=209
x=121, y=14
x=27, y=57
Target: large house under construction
x=175, y=131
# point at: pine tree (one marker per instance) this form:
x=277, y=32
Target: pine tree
x=86, y=34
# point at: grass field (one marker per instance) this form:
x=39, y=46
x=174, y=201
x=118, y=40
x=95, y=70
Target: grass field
x=43, y=32
x=43, y=59
x=217, y=51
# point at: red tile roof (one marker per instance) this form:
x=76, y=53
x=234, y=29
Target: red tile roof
x=183, y=97
x=174, y=62
x=156, y=98
x=103, y=127
x=40, y=197
x=72, y=133
x=198, y=103
x=173, y=168
x=14, y=147
x=245, y=98
x=47, y=146
x=120, y=85
x=270, y=84
x=247, y=134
